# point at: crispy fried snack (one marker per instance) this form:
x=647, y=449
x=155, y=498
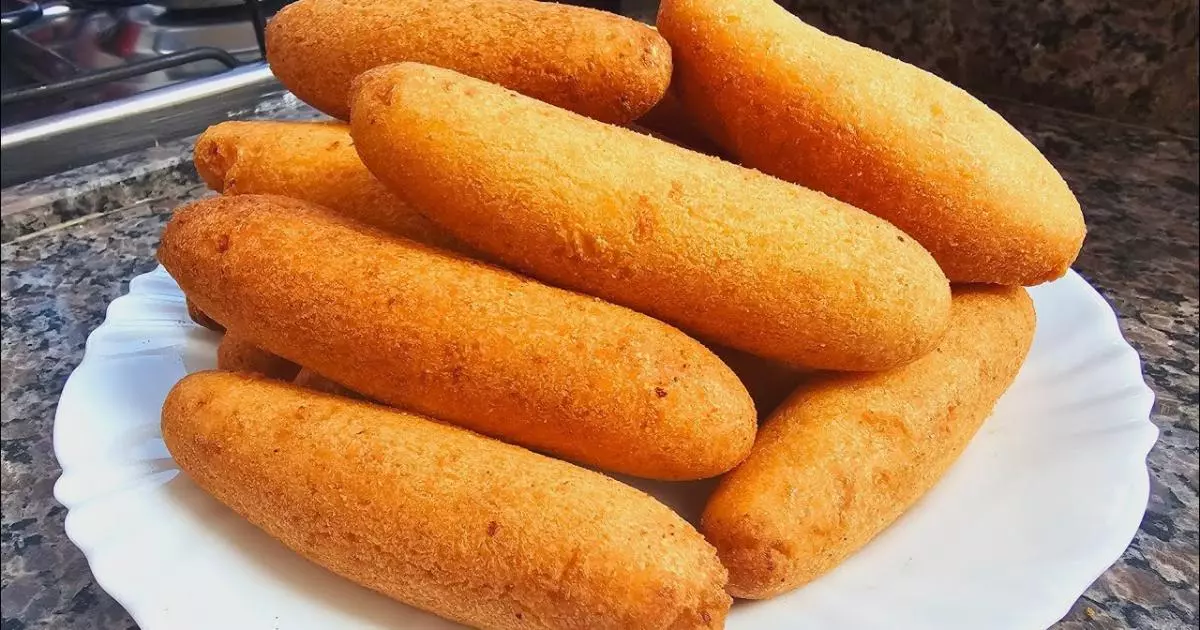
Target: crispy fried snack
x=601, y=65
x=875, y=132
x=461, y=341
x=469, y=528
x=726, y=253
x=310, y=161
x=847, y=454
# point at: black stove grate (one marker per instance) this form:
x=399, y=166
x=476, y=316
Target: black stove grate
x=17, y=14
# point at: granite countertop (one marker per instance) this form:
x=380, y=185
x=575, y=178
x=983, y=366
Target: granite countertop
x=72, y=243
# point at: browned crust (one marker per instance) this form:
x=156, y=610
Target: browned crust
x=726, y=253
x=461, y=341
x=466, y=527
x=875, y=132
x=846, y=455
x=203, y=319
x=310, y=161
x=238, y=354
x=309, y=379
x=598, y=64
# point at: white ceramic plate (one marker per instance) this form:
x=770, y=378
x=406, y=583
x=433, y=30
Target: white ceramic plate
x=1047, y=496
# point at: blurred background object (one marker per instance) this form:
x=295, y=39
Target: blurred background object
x=62, y=55
x=81, y=80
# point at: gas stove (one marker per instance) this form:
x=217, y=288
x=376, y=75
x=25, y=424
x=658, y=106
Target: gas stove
x=61, y=56
x=84, y=80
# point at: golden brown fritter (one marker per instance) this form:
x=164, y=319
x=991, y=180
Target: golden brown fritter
x=875, y=132
x=726, y=253
x=310, y=161
x=238, y=354
x=461, y=341
x=466, y=527
x=601, y=65
x=846, y=455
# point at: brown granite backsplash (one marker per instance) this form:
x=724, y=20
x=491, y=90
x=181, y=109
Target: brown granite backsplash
x=1129, y=60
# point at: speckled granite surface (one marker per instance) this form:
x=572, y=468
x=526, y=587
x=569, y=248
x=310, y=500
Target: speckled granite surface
x=119, y=182
x=1132, y=61
x=1139, y=190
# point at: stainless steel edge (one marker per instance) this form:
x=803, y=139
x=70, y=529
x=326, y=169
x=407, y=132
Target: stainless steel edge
x=88, y=135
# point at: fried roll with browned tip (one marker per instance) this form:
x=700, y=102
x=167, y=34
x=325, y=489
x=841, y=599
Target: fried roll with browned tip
x=875, y=132
x=726, y=253
x=601, y=65
x=847, y=454
x=464, y=342
x=310, y=161
x=466, y=527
